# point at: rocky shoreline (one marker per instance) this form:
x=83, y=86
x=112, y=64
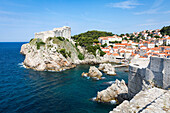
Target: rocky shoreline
x=55, y=55
x=142, y=81
x=116, y=92
x=142, y=94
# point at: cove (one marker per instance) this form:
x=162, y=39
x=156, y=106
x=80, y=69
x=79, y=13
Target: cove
x=26, y=90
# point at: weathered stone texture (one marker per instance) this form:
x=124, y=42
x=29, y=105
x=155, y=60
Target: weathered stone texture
x=154, y=100
x=155, y=73
x=117, y=91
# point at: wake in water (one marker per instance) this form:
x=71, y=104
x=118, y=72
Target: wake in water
x=21, y=65
x=110, y=82
x=111, y=102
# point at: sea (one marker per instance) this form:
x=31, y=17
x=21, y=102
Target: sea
x=27, y=91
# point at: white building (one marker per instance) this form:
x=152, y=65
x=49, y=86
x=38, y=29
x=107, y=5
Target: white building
x=168, y=41
x=149, y=45
x=109, y=39
x=58, y=32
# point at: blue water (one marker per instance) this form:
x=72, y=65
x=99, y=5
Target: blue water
x=29, y=91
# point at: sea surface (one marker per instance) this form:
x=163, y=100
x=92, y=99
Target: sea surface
x=28, y=91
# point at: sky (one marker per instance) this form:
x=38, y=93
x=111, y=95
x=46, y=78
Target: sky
x=20, y=19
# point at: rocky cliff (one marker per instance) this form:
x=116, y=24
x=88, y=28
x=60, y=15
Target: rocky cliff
x=55, y=54
x=117, y=91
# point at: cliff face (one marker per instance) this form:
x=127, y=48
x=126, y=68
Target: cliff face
x=46, y=56
x=55, y=54
x=146, y=74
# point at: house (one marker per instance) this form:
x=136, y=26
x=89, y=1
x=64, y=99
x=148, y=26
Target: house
x=149, y=44
x=168, y=41
x=109, y=40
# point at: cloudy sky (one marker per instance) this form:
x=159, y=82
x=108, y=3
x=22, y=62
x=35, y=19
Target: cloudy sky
x=20, y=19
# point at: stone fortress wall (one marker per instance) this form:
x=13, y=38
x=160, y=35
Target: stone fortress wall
x=154, y=72
x=58, y=32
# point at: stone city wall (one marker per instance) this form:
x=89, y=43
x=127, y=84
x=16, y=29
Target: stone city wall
x=156, y=73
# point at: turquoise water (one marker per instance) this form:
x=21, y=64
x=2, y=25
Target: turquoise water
x=29, y=91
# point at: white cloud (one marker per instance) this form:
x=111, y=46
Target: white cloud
x=166, y=12
x=150, y=11
x=7, y=12
x=129, y=4
x=154, y=9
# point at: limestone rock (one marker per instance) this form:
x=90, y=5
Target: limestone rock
x=114, y=92
x=107, y=68
x=46, y=56
x=93, y=72
x=154, y=100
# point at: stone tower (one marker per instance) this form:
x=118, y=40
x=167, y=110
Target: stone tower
x=58, y=32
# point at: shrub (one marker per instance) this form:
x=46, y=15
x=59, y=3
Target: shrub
x=76, y=44
x=95, y=41
x=63, y=52
x=67, y=40
x=49, y=46
x=31, y=39
x=69, y=54
x=39, y=44
x=81, y=56
x=49, y=38
x=104, y=45
x=102, y=53
x=61, y=38
x=93, y=49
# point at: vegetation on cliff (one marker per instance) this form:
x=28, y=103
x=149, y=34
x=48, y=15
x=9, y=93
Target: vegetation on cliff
x=38, y=42
x=165, y=30
x=58, y=44
x=88, y=38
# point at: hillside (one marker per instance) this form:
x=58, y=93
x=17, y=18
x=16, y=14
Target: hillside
x=165, y=30
x=87, y=39
x=55, y=54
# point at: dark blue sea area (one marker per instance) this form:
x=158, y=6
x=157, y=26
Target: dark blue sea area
x=28, y=91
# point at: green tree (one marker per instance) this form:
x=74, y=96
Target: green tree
x=104, y=45
x=165, y=30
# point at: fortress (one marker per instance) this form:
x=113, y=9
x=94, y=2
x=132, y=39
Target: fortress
x=58, y=32
x=143, y=72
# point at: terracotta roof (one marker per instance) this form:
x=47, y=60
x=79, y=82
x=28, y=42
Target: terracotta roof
x=115, y=54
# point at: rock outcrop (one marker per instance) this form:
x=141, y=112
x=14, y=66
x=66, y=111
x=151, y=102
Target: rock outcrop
x=44, y=59
x=93, y=72
x=154, y=100
x=55, y=54
x=107, y=68
x=117, y=91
